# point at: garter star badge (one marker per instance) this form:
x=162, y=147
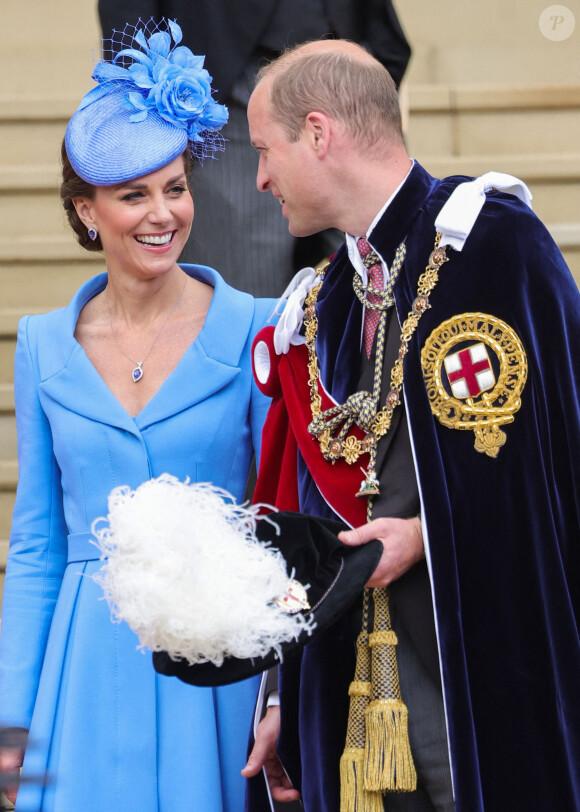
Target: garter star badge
x=475, y=368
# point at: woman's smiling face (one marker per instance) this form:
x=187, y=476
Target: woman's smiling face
x=143, y=223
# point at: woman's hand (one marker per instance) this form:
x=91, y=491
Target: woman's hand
x=12, y=744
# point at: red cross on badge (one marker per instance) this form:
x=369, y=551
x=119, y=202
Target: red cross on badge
x=294, y=599
x=469, y=371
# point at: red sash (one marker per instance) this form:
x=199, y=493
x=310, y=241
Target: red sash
x=284, y=378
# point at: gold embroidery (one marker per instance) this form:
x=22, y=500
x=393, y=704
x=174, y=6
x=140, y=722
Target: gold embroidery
x=331, y=427
x=484, y=407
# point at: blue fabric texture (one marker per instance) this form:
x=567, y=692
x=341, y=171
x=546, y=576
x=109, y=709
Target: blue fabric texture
x=105, y=147
x=106, y=729
x=502, y=533
x=141, y=117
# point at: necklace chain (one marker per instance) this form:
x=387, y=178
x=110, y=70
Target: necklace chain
x=362, y=407
x=138, y=372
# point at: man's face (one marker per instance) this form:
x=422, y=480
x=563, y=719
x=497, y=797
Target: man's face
x=289, y=170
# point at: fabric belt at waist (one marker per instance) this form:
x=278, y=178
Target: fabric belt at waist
x=82, y=547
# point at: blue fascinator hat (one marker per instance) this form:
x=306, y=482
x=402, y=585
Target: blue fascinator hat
x=153, y=100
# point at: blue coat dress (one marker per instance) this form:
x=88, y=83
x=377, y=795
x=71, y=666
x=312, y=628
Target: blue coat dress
x=110, y=733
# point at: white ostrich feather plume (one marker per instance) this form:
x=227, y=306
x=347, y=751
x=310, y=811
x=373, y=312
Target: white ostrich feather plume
x=183, y=567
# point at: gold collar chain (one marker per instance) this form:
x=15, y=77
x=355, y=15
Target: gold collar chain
x=385, y=296
x=362, y=407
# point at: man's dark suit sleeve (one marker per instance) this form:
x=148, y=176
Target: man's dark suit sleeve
x=386, y=39
x=114, y=14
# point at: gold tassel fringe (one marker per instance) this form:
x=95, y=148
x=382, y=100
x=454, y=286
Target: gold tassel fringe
x=388, y=761
x=353, y=795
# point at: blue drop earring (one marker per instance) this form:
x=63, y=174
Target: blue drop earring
x=93, y=233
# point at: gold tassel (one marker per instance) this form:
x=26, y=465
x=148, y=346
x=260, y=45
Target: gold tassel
x=389, y=764
x=388, y=761
x=353, y=795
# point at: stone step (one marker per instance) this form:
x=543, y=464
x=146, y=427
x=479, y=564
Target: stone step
x=39, y=248
x=7, y=347
x=554, y=181
x=8, y=449
x=556, y=201
x=486, y=42
x=31, y=133
x=32, y=211
x=8, y=477
x=44, y=285
x=521, y=132
x=32, y=130
x=546, y=167
x=6, y=398
x=425, y=97
x=8, y=463
x=488, y=120
x=6, y=506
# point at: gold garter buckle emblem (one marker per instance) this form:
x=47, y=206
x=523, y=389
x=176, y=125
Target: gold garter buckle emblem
x=294, y=599
x=475, y=368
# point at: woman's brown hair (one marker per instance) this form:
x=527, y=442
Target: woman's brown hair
x=73, y=186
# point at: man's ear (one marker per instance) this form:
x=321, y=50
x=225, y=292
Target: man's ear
x=84, y=208
x=319, y=131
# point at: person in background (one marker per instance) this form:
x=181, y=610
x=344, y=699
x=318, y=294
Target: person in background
x=147, y=371
x=254, y=251
x=425, y=390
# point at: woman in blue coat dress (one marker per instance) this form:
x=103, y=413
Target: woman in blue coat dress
x=146, y=371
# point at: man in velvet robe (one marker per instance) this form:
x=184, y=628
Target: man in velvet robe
x=254, y=251
x=488, y=426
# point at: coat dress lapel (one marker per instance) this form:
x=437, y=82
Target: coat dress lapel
x=207, y=366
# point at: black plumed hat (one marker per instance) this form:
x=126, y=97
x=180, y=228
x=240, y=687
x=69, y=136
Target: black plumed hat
x=334, y=574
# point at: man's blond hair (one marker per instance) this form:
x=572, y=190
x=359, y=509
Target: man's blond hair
x=356, y=91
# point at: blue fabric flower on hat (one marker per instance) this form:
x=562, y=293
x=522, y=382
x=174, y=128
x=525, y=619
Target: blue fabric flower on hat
x=171, y=82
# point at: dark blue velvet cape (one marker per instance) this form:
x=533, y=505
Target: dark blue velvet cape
x=502, y=534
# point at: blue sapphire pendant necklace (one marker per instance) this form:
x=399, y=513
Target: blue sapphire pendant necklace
x=138, y=372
